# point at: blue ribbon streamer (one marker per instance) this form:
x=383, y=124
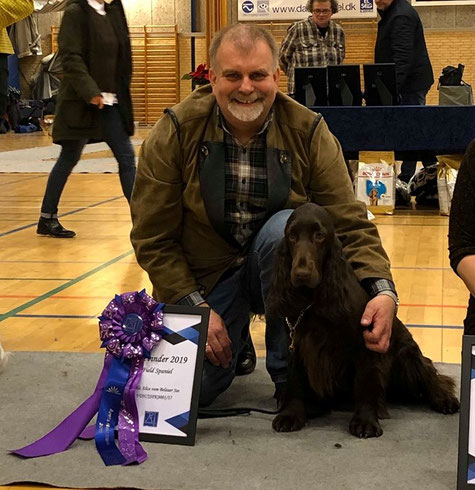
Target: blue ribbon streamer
x=108, y=415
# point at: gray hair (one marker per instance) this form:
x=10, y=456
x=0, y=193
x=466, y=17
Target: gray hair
x=333, y=4
x=244, y=37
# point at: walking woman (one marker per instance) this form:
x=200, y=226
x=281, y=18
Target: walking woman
x=94, y=99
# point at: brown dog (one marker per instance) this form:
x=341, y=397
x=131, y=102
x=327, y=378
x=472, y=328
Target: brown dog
x=373, y=197
x=315, y=288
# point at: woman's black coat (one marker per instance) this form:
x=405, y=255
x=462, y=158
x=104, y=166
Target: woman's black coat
x=75, y=117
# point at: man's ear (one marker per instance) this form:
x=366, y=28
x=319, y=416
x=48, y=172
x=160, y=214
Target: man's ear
x=212, y=77
x=276, y=76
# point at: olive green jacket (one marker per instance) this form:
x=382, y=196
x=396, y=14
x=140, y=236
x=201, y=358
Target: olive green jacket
x=75, y=117
x=178, y=200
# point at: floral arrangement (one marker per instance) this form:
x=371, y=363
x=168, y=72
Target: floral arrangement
x=200, y=76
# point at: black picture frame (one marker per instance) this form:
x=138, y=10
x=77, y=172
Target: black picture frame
x=173, y=337
x=467, y=405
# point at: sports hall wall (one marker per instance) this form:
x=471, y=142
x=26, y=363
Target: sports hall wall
x=449, y=31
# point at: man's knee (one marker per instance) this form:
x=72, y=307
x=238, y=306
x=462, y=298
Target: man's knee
x=273, y=230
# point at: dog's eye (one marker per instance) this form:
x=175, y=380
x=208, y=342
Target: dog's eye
x=318, y=235
x=292, y=237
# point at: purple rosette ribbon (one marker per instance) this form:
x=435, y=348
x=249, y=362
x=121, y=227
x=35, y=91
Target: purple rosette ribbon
x=129, y=329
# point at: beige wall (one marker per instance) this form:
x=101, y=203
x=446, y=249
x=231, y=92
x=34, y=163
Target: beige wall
x=164, y=12
x=450, y=35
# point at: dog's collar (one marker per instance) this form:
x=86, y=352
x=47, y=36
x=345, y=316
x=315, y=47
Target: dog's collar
x=293, y=327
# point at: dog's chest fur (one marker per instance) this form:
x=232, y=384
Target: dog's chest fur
x=328, y=353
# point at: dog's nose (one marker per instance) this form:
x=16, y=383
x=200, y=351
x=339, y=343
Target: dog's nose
x=302, y=274
x=303, y=277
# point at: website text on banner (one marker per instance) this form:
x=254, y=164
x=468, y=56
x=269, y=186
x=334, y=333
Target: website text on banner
x=267, y=10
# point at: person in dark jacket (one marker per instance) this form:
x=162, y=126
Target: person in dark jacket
x=462, y=231
x=94, y=101
x=400, y=40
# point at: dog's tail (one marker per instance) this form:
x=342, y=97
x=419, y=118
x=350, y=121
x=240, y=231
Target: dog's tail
x=3, y=358
x=417, y=377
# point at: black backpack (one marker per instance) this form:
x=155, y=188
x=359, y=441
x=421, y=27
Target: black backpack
x=13, y=107
x=451, y=75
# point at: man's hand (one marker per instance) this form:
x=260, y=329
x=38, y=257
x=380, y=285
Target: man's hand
x=379, y=313
x=218, y=346
x=97, y=100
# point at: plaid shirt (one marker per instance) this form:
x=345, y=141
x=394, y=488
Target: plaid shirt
x=246, y=191
x=245, y=203
x=304, y=45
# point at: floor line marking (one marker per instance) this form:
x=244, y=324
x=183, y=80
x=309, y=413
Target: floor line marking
x=439, y=327
x=58, y=289
x=60, y=215
x=23, y=180
x=55, y=296
x=71, y=317
x=415, y=305
x=419, y=267
x=51, y=262
x=36, y=278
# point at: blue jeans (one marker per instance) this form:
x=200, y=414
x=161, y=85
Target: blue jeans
x=237, y=295
x=119, y=142
x=408, y=167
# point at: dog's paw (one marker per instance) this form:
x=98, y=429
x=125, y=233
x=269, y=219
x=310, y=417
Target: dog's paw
x=446, y=405
x=365, y=428
x=288, y=421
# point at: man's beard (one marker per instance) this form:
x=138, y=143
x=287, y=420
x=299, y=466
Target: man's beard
x=246, y=113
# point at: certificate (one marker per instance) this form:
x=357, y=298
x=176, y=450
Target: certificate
x=168, y=392
x=466, y=455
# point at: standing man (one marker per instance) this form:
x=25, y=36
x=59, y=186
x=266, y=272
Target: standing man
x=218, y=177
x=401, y=41
x=315, y=41
x=11, y=11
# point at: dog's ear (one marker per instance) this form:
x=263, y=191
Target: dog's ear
x=278, y=299
x=333, y=293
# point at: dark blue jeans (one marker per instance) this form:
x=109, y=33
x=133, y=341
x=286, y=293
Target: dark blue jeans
x=3, y=83
x=408, y=167
x=241, y=293
x=119, y=142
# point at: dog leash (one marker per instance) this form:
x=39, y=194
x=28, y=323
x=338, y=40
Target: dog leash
x=212, y=413
x=293, y=327
x=204, y=413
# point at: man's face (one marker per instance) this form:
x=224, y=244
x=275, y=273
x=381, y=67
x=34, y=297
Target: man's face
x=244, y=84
x=321, y=13
x=383, y=4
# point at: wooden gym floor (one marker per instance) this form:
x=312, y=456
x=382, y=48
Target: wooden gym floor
x=51, y=291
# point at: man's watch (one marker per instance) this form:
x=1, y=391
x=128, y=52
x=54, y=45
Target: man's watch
x=393, y=296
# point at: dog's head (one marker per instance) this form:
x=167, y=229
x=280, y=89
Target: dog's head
x=309, y=235
x=308, y=264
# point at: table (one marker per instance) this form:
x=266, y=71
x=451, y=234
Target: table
x=413, y=132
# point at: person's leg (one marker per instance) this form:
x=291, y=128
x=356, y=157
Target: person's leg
x=3, y=91
x=259, y=270
x=3, y=83
x=68, y=158
x=229, y=300
x=119, y=142
x=408, y=167
x=48, y=224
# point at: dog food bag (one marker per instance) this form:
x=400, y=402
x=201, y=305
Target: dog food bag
x=447, y=170
x=375, y=186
